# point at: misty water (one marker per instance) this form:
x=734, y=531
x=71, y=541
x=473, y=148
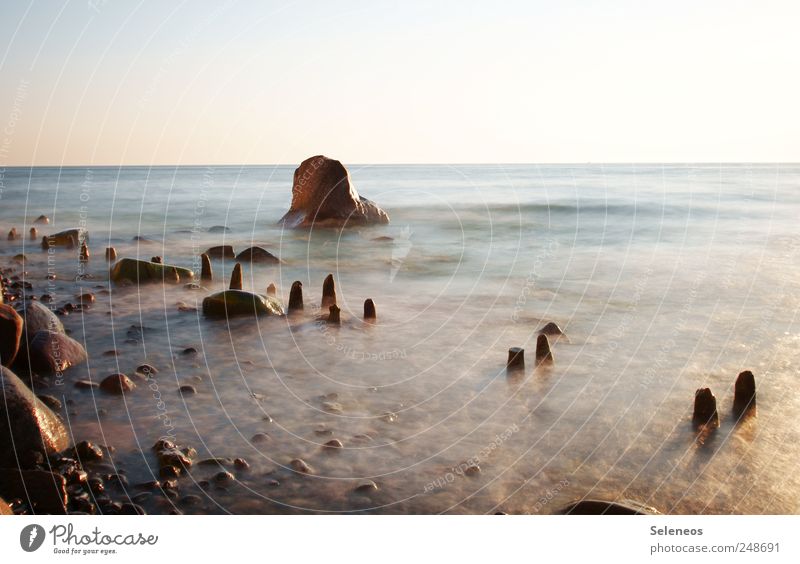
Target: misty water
x=665, y=279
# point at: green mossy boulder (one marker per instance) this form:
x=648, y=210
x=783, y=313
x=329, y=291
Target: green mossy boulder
x=142, y=271
x=239, y=302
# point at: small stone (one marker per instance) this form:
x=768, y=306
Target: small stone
x=366, y=486
x=86, y=384
x=369, y=310
x=241, y=463
x=189, y=351
x=300, y=465
x=224, y=477
x=117, y=384
x=187, y=390
x=334, y=443
x=88, y=452
x=260, y=438
x=328, y=292
x=146, y=370
x=472, y=470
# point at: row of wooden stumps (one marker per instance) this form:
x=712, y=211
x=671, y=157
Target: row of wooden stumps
x=295, y=294
x=744, y=401
x=13, y=235
x=544, y=356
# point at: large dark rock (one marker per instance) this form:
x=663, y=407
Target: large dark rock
x=141, y=271
x=604, y=507
x=239, y=302
x=323, y=195
x=50, y=352
x=257, y=254
x=10, y=334
x=221, y=251
x=45, y=492
x=26, y=424
x=38, y=317
x=68, y=238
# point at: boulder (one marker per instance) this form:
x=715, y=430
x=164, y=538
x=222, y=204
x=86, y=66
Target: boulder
x=239, y=302
x=68, y=238
x=142, y=271
x=10, y=334
x=42, y=220
x=38, y=317
x=257, y=254
x=45, y=492
x=50, y=352
x=221, y=251
x=26, y=424
x=323, y=195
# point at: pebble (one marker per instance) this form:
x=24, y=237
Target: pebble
x=117, y=384
x=88, y=452
x=224, y=477
x=187, y=389
x=300, y=465
x=260, y=438
x=241, y=463
x=86, y=384
x=366, y=486
x=334, y=443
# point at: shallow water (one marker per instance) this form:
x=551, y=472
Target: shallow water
x=665, y=278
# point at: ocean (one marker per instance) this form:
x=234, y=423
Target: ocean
x=665, y=278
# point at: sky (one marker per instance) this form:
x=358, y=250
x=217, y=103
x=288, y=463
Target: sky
x=111, y=82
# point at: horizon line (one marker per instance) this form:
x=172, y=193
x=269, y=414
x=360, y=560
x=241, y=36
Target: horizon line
x=552, y=163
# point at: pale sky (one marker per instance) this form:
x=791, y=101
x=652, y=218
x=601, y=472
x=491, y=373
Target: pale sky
x=159, y=82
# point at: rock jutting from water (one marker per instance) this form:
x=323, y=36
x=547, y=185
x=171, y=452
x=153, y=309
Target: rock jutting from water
x=12, y=234
x=543, y=354
x=272, y=291
x=744, y=398
x=38, y=317
x=323, y=195
x=603, y=507
x=206, y=273
x=10, y=334
x=221, y=251
x=705, y=409
x=117, y=384
x=257, y=255
x=33, y=234
x=141, y=271
x=328, y=292
x=296, y=296
x=369, y=310
x=551, y=329
x=516, y=359
x=26, y=424
x=236, y=277
x=69, y=238
x=84, y=255
x=239, y=302
x=111, y=254
x=51, y=353
x=334, y=315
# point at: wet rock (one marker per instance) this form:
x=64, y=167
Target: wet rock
x=334, y=315
x=257, y=255
x=365, y=487
x=45, y=492
x=260, y=438
x=26, y=422
x=50, y=401
x=146, y=370
x=296, y=296
x=189, y=351
x=20, y=259
x=323, y=195
x=334, y=443
x=132, y=509
x=42, y=220
x=86, y=299
x=206, y=273
x=51, y=353
x=369, y=310
x=5, y=509
x=111, y=254
x=236, y=277
x=224, y=477
x=86, y=384
x=744, y=398
x=69, y=238
x=190, y=500
x=10, y=334
x=300, y=465
x=328, y=292
x=551, y=329
x=543, y=354
x=117, y=384
x=88, y=452
x=272, y=291
x=472, y=470
x=516, y=358
x=705, y=408
x=12, y=234
x=215, y=461
x=187, y=390
x=603, y=507
x=222, y=251
x=241, y=463
x=34, y=234
x=38, y=317
x=84, y=254
x=239, y=302
x=140, y=271
x=169, y=472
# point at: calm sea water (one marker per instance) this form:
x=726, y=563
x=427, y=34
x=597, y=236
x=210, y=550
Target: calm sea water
x=665, y=278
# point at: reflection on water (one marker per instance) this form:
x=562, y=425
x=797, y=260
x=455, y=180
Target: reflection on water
x=665, y=279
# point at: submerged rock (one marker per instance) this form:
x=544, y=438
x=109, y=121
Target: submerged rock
x=50, y=352
x=221, y=251
x=26, y=421
x=602, y=507
x=239, y=302
x=323, y=195
x=10, y=334
x=117, y=384
x=141, y=271
x=258, y=255
x=42, y=220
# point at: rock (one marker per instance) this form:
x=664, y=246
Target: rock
x=472, y=470
x=88, y=452
x=221, y=251
x=50, y=353
x=543, y=354
x=117, y=384
x=272, y=291
x=38, y=317
x=12, y=235
x=157, y=259
x=236, y=277
x=45, y=492
x=369, y=310
x=20, y=258
x=224, y=477
x=366, y=486
x=206, y=273
x=5, y=509
x=260, y=438
x=300, y=465
x=516, y=359
x=86, y=299
x=86, y=384
x=296, y=296
x=10, y=334
x=141, y=271
x=111, y=254
x=70, y=238
x=334, y=315
x=146, y=370
x=328, y=292
x=42, y=220
x=602, y=507
x=34, y=234
x=241, y=463
x=239, y=302
x=50, y=401
x=219, y=229
x=551, y=329
x=27, y=421
x=323, y=195
x=84, y=255
x=187, y=389
x=258, y=255
x=744, y=398
x=705, y=408
x=333, y=443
